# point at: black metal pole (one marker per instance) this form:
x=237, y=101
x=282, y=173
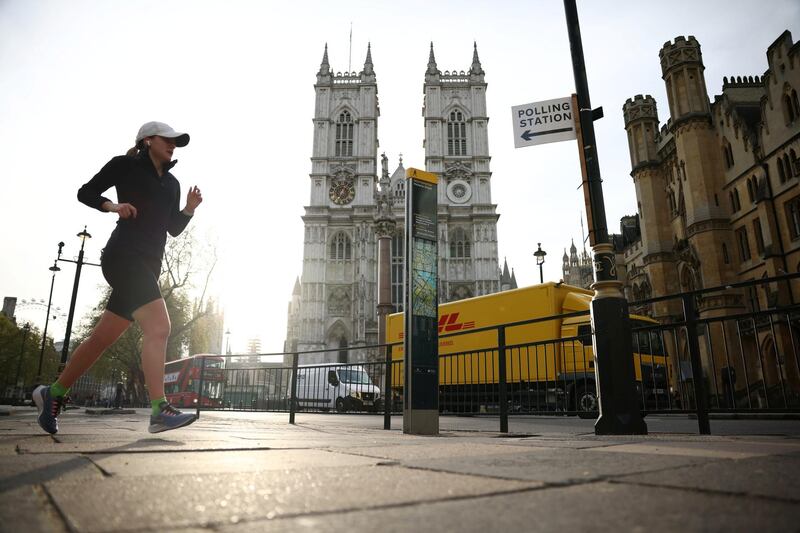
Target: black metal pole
x=25, y=329
x=293, y=402
x=613, y=349
x=68, y=332
x=700, y=399
x=502, y=379
x=387, y=390
x=53, y=269
x=541, y=274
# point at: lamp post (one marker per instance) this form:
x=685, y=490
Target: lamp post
x=25, y=330
x=52, y=269
x=613, y=349
x=539, y=254
x=83, y=235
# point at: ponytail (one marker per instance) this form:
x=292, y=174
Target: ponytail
x=136, y=149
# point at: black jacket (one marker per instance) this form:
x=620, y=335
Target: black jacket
x=156, y=199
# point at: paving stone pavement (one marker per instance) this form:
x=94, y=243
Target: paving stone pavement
x=235, y=472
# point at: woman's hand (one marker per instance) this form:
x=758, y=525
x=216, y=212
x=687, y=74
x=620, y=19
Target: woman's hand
x=193, y=199
x=123, y=210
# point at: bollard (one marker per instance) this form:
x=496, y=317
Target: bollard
x=501, y=363
x=387, y=390
x=293, y=398
x=700, y=401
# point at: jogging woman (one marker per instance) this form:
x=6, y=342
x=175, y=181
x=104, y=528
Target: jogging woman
x=148, y=197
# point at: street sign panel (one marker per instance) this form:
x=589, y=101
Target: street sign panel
x=543, y=122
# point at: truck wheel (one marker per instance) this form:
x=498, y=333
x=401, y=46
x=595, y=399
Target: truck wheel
x=586, y=399
x=340, y=405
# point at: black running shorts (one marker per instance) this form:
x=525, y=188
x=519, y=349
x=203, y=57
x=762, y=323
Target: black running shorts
x=133, y=280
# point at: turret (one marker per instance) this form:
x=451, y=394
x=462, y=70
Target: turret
x=433, y=73
x=641, y=123
x=682, y=71
x=368, y=74
x=324, y=74
x=476, y=71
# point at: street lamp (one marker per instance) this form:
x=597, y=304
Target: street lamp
x=52, y=269
x=539, y=254
x=83, y=235
x=26, y=328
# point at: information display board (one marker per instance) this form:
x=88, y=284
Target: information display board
x=421, y=390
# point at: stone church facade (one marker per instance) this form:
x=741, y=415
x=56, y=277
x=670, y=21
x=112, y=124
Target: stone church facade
x=718, y=191
x=334, y=301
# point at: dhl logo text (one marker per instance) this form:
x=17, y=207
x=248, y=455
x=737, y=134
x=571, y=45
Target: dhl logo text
x=449, y=322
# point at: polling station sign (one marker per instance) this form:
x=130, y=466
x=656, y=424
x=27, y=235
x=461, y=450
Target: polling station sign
x=543, y=122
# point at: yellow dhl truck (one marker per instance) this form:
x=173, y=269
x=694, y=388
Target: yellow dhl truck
x=549, y=363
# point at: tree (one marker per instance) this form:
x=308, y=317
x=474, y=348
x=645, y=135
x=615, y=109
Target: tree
x=187, y=269
x=23, y=357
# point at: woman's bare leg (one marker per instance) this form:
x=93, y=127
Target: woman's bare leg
x=108, y=329
x=154, y=321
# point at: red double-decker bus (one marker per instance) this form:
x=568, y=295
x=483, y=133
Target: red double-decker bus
x=182, y=381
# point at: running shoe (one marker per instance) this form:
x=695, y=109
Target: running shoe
x=169, y=418
x=49, y=408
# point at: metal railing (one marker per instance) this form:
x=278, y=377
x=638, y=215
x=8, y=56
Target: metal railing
x=709, y=355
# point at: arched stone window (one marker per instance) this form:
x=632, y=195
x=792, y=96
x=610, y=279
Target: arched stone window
x=782, y=176
x=795, y=166
x=750, y=192
x=456, y=134
x=344, y=134
x=736, y=203
x=460, y=246
x=727, y=153
x=341, y=248
x=400, y=190
x=787, y=164
x=789, y=113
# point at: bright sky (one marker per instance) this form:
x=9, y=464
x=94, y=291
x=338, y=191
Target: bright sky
x=78, y=78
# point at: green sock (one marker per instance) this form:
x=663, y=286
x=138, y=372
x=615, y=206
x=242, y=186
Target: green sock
x=58, y=390
x=156, y=405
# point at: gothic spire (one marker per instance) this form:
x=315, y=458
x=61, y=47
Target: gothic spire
x=325, y=67
x=513, y=279
x=368, y=62
x=476, y=62
x=296, y=291
x=432, y=63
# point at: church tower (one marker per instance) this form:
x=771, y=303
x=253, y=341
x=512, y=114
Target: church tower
x=337, y=288
x=698, y=171
x=457, y=149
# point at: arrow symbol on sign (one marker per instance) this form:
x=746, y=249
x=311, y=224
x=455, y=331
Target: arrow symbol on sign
x=528, y=135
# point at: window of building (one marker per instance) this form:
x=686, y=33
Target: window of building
x=736, y=203
x=789, y=112
x=400, y=189
x=794, y=170
x=782, y=175
x=744, y=245
x=795, y=103
x=344, y=135
x=456, y=134
x=460, y=247
x=398, y=257
x=733, y=202
x=759, y=236
x=752, y=295
x=750, y=192
x=341, y=249
x=727, y=153
x=792, y=209
x=725, y=256
x=787, y=166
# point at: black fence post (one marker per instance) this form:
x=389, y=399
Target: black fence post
x=200, y=390
x=293, y=403
x=501, y=354
x=388, y=400
x=700, y=400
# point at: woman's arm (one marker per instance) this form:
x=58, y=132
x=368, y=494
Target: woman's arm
x=91, y=193
x=180, y=219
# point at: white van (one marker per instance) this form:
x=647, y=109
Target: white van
x=340, y=387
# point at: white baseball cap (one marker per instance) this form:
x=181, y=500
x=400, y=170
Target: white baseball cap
x=149, y=129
